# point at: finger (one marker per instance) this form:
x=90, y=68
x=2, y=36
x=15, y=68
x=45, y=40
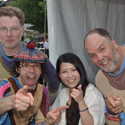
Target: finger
x=31, y=98
x=111, y=101
x=61, y=108
x=21, y=106
x=53, y=115
x=20, y=98
x=24, y=90
x=117, y=110
x=79, y=87
x=24, y=98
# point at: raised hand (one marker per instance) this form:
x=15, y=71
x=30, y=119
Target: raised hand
x=77, y=94
x=23, y=99
x=114, y=103
x=54, y=115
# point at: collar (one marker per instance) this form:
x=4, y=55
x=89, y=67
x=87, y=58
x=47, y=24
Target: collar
x=122, y=68
x=18, y=84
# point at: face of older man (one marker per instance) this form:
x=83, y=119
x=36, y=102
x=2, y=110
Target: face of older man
x=103, y=52
x=11, y=31
x=29, y=73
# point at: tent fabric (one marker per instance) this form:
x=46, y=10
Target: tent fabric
x=70, y=20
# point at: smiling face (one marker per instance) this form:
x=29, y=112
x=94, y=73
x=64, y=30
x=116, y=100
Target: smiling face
x=103, y=52
x=69, y=75
x=11, y=31
x=29, y=73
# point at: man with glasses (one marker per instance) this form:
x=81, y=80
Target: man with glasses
x=11, y=31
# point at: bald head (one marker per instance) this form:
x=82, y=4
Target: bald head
x=97, y=32
x=102, y=50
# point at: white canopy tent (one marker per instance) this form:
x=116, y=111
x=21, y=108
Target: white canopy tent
x=70, y=20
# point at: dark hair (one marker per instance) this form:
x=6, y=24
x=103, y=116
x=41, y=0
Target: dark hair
x=11, y=12
x=72, y=114
x=99, y=31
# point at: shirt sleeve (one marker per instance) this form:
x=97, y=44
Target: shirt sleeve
x=53, y=82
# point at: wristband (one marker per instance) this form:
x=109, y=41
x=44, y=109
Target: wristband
x=83, y=110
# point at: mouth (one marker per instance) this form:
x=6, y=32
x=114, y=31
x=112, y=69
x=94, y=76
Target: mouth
x=103, y=62
x=9, y=40
x=31, y=84
x=70, y=80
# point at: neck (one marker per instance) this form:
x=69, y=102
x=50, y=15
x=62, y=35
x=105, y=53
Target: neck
x=11, y=51
x=121, y=51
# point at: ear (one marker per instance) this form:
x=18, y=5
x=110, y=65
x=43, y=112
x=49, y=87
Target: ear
x=114, y=43
x=18, y=70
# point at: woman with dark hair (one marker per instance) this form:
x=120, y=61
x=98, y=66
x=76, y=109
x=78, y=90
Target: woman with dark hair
x=86, y=104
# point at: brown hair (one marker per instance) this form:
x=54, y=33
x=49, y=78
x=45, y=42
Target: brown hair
x=13, y=11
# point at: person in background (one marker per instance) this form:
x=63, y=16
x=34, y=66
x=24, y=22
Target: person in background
x=46, y=45
x=86, y=104
x=106, y=54
x=11, y=32
x=22, y=99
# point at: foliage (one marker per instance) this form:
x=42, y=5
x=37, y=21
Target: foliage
x=34, y=12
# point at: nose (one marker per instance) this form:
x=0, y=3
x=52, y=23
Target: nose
x=31, y=69
x=98, y=57
x=9, y=32
x=70, y=74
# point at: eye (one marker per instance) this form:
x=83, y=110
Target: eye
x=3, y=28
x=64, y=72
x=92, y=55
x=101, y=49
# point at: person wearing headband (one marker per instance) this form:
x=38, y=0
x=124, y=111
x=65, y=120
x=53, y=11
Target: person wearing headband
x=22, y=98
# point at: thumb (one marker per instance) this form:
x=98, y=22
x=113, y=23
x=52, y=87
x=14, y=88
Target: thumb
x=24, y=90
x=79, y=87
x=61, y=108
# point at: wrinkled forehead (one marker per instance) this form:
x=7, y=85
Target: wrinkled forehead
x=9, y=21
x=93, y=41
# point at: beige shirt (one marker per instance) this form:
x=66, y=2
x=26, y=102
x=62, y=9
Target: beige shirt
x=105, y=87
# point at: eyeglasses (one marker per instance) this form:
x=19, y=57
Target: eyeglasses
x=10, y=29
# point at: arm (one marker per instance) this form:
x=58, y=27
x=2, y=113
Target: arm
x=53, y=82
x=85, y=115
x=54, y=115
x=20, y=101
x=6, y=104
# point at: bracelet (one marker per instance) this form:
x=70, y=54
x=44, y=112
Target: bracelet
x=83, y=110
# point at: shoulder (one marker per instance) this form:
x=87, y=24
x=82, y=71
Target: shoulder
x=100, y=76
x=4, y=86
x=91, y=88
x=3, y=82
x=92, y=92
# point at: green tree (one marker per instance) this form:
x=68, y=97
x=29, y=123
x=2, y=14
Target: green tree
x=35, y=12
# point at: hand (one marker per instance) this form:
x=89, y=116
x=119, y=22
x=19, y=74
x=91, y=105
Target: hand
x=23, y=99
x=114, y=103
x=77, y=94
x=54, y=115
